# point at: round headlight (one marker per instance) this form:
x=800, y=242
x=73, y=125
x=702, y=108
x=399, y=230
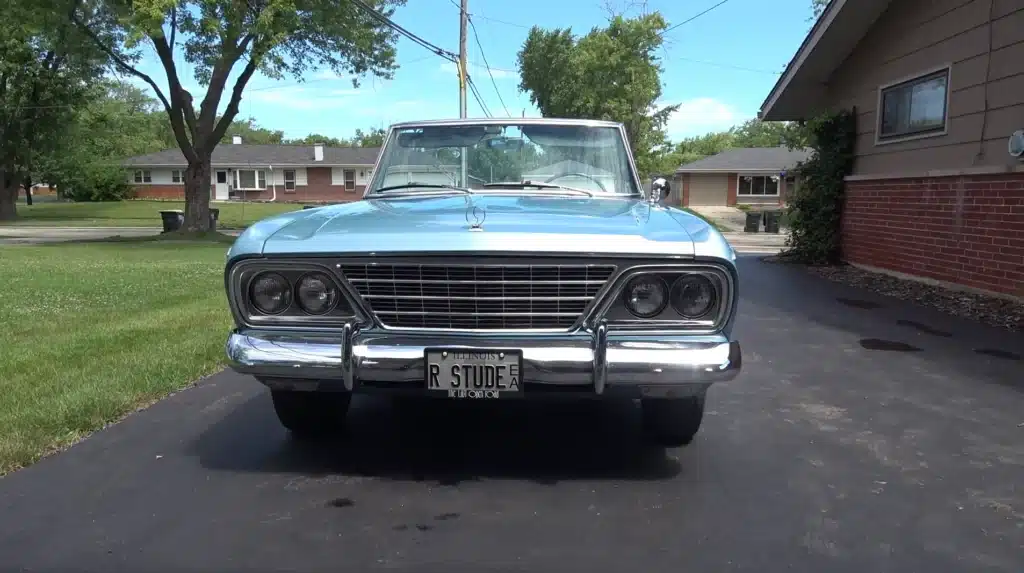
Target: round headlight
x=316, y=293
x=645, y=296
x=693, y=296
x=270, y=293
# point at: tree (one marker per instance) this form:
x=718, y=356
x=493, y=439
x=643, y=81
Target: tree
x=757, y=133
x=276, y=37
x=252, y=133
x=818, y=6
x=46, y=68
x=611, y=73
x=372, y=138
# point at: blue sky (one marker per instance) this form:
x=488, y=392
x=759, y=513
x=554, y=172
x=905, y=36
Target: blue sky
x=719, y=67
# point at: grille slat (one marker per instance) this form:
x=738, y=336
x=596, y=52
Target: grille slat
x=487, y=296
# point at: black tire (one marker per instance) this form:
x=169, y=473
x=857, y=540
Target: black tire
x=672, y=422
x=310, y=415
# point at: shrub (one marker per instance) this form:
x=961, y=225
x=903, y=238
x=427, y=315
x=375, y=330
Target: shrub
x=814, y=211
x=97, y=182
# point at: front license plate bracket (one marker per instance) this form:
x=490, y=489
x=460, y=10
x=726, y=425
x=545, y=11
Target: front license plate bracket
x=474, y=373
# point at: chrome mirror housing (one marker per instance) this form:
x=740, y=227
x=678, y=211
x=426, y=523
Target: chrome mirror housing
x=660, y=189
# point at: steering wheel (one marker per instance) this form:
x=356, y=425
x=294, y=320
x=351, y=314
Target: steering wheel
x=584, y=175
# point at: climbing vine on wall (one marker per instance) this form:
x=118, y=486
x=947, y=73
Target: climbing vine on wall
x=815, y=209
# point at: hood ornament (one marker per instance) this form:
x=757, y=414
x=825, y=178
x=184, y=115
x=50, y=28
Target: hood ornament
x=475, y=216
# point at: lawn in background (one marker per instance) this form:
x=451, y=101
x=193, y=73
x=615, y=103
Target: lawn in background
x=93, y=331
x=138, y=213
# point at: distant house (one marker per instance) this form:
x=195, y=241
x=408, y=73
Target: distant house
x=261, y=173
x=937, y=88
x=748, y=175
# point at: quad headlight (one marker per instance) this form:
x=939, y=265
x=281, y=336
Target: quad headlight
x=270, y=293
x=645, y=296
x=693, y=296
x=317, y=293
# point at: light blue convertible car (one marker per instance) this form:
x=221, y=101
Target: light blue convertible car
x=494, y=259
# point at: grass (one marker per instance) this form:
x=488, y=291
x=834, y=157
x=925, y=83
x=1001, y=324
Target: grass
x=93, y=331
x=137, y=213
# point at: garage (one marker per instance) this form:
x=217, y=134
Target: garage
x=709, y=189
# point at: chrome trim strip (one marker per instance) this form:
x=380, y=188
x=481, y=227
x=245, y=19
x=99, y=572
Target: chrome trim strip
x=348, y=366
x=600, y=357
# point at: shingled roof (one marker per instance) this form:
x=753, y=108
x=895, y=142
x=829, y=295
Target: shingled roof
x=262, y=155
x=748, y=159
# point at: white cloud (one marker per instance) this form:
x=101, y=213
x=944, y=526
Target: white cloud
x=476, y=70
x=297, y=97
x=327, y=75
x=700, y=116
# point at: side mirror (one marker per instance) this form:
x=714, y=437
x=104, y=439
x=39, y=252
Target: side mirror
x=660, y=189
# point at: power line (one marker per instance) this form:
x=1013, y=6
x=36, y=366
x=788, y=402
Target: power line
x=692, y=18
x=391, y=24
x=477, y=97
x=486, y=65
x=728, y=66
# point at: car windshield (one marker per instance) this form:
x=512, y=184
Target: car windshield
x=542, y=156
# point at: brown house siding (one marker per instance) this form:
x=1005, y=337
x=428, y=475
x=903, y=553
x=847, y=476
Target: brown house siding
x=915, y=36
x=318, y=189
x=965, y=230
x=732, y=189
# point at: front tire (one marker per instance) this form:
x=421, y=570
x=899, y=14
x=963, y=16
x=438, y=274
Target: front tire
x=311, y=415
x=672, y=422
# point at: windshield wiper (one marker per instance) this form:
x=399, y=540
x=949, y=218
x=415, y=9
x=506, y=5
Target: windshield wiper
x=423, y=185
x=525, y=184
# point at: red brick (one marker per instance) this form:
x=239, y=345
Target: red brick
x=967, y=230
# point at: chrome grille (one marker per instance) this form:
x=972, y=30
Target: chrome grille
x=482, y=296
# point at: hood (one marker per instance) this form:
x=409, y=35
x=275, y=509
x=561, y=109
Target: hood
x=508, y=224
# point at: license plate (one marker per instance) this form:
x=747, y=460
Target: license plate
x=475, y=373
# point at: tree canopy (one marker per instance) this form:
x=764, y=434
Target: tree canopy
x=275, y=37
x=611, y=73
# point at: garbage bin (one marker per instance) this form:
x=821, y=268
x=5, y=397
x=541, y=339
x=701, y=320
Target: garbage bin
x=214, y=217
x=172, y=220
x=771, y=221
x=753, y=222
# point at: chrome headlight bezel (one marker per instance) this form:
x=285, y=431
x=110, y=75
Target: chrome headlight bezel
x=239, y=282
x=613, y=311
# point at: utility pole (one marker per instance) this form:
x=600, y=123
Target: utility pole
x=463, y=21
x=464, y=77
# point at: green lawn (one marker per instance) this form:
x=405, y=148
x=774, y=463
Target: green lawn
x=94, y=331
x=138, y=213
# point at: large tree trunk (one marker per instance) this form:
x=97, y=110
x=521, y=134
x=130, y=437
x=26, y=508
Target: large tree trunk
x=197, y=195
x=28, y=190
x=8, y=196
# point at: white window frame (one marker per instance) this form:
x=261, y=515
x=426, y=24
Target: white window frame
x=778, y=184
x=908, y=81
x=288, y=181
x=142, y=176
x=177, y=176
x=258, y=175
x=344, y=177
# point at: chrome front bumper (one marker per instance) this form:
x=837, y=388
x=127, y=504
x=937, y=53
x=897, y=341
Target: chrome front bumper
x=593, y=362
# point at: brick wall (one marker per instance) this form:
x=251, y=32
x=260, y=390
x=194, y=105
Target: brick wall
x=318, y=189
x=160, y=191
x=966, y=230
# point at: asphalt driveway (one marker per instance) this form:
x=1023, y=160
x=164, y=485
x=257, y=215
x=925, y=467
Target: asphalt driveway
x=863, y=435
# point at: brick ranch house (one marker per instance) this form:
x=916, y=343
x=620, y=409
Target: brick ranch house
x=938, y=88
x=739, y=176
x=314, y=173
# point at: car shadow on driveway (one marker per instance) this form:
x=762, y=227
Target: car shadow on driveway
x=445, y=442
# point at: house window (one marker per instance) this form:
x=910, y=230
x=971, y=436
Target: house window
x=143, y=176
x=176, y=176
x=350, y=180
x=250, y=179
x=289, y=180
x=758, y=185
x=914, y=107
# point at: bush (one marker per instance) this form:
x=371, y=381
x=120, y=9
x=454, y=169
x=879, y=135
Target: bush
x=815, y=210
x=94, y=182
